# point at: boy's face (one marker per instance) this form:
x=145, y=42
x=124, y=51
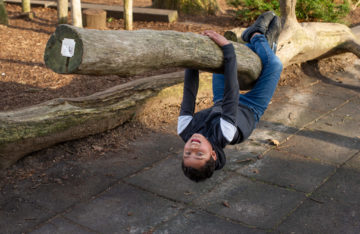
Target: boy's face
x=197, y=151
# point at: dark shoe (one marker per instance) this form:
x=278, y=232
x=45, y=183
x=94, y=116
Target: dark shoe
x=273, y=32
x=261, y=25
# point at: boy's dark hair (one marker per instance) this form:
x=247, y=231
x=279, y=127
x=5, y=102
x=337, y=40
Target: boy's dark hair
x=200, y=174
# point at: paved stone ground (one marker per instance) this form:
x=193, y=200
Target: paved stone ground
x=310, y=183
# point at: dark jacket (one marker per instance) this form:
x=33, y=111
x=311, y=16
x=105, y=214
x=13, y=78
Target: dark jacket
x=227, y=122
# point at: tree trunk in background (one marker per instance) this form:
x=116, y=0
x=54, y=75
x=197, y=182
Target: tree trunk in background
x=166, y=4
x=128, y=14
x=76, y=13
x=3, y=14
x=62, y=11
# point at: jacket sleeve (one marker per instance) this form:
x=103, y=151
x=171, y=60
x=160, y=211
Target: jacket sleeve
x=231, y=93
x=191, y=85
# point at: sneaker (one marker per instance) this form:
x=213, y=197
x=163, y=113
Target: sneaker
x=273, y=32
x=261, y=25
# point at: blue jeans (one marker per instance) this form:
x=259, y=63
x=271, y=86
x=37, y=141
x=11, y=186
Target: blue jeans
x=259, y=97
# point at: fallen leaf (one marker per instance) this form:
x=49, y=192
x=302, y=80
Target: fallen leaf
x=97, y=148
x=255, y=171
x=245, y=160
x=58, y=180
x=273, y=142
x=225, y=203
x=187, y=193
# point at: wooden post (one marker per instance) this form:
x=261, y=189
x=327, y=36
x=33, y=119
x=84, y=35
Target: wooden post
x=128, y=14
x=25, y=6
x=62, y=11
x=76, y=13
x=95, y=18
x=26, y=9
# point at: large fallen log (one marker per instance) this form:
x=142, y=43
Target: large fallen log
x=129, y=53
x=40, y=126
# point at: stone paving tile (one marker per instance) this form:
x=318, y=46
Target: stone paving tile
x=199, y=222
x=141, y=153
x=315, y=101
x=18, y=215
x=76, y=181
x=167, y=179
x=344, y=186
x=60, y=226
x=242, y=154
x=289, y=170
x=237, y=158
x=344, y=121
x=316, y=96
x=272, y=130
x=352, y=107
x=321, y=145
x=68, y=184
x=335, y=207
x=333, y=89
x=290, y=115
x=250, y=202
x=123, y=209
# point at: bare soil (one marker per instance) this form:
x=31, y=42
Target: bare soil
x=25, y=81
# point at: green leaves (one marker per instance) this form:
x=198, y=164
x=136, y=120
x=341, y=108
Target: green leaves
x=306, y=10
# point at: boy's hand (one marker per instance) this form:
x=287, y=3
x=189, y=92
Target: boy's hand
x=217, y=38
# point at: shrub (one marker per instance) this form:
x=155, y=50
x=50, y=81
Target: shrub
x=306, y=10
x=321, y=10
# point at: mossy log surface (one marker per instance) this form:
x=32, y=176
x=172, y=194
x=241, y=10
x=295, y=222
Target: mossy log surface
x=37, y=127
x=129, y=53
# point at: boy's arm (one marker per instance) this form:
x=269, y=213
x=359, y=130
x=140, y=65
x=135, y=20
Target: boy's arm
x=191, y=85
x=231, y=88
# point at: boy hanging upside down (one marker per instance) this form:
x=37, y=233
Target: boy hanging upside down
x=233, y=116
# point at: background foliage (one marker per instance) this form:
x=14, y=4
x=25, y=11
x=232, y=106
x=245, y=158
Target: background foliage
x=188, y=6
x=306, y=10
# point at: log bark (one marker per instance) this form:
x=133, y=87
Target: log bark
x=301, y=42
x=37, y=127
x=129, y=53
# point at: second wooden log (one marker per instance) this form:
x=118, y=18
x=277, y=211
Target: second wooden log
x=94, y=18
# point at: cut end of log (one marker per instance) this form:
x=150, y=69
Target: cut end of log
x=64, y=50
